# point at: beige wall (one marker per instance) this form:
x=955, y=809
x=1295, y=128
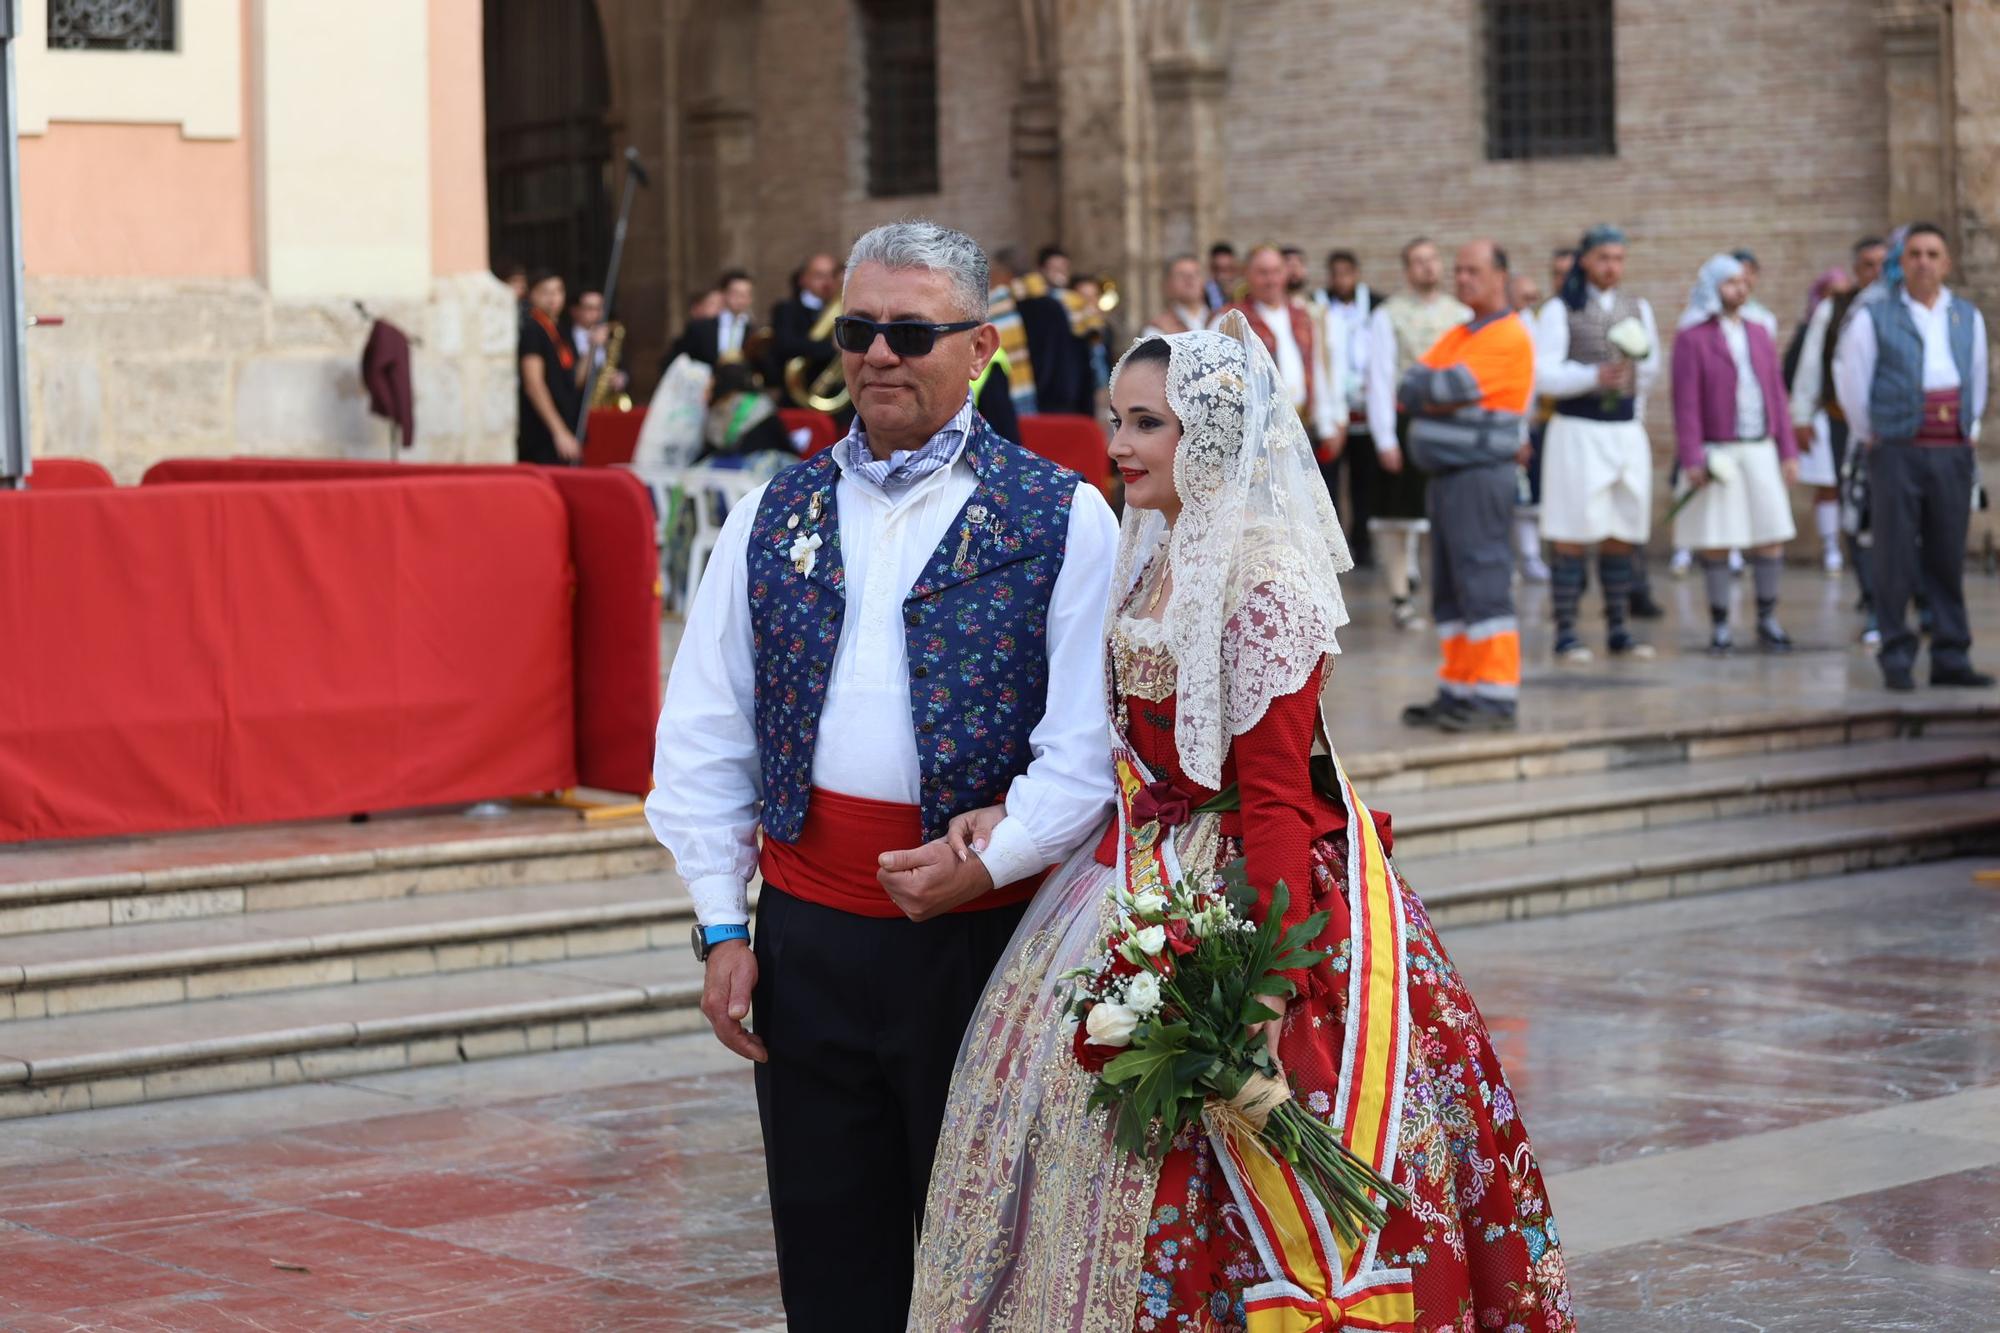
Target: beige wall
x=458, y=137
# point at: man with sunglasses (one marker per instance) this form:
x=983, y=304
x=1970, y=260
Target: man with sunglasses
x=869, y=656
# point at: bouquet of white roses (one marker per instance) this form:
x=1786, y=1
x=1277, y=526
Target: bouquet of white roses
x=1163, y=1019
x=1627, y=338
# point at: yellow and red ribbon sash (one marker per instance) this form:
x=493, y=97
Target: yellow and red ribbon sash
x=1318, y=1284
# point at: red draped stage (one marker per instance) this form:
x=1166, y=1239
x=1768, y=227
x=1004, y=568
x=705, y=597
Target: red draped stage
x=198, y=655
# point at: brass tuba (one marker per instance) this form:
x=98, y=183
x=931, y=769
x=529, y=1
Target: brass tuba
x=828, y=390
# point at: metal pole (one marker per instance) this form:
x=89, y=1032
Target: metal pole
x=14, y=462
x=633, y=172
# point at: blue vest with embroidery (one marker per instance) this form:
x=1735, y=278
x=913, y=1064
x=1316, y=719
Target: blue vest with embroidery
x=1896, y=399
x=975, y=629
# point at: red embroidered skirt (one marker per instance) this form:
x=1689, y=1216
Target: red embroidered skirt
x=1477, y=1237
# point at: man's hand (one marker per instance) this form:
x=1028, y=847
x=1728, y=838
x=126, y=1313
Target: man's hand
x=970, y=831
x=930, y=880
x=1336, y=444
x=1620, y=374
x=725, y=998
x=567, y=446
x=1391, y=459
x=1790, y=467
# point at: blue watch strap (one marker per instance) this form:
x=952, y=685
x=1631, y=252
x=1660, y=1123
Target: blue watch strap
x=714, y=935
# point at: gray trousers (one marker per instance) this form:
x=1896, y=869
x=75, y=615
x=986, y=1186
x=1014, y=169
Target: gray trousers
x=1920, y=505
x=1472, y=574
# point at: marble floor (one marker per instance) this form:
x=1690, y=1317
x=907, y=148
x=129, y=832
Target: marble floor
x=1777, y=1109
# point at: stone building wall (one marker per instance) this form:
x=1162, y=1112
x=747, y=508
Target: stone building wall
x=145, y=369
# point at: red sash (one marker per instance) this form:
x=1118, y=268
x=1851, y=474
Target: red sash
x=833, y=863
x=1939, y=424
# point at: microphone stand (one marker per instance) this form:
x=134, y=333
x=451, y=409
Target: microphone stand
x=635, y=171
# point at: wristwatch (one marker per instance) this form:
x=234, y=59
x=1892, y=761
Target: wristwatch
x=707, y=937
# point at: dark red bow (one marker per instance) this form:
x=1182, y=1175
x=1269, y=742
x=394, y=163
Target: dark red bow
x=1162, y=803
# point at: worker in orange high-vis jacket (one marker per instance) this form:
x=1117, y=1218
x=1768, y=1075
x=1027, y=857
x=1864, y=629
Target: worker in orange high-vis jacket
x=1468, y=399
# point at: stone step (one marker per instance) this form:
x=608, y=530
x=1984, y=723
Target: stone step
x=52, y=886
x=1703, y=857
x=1520, y=756
x=168, y=962
x=1493, y=816
x=115, y=1058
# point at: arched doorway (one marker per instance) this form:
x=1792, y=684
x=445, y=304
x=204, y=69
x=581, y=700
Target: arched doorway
x=548, y=137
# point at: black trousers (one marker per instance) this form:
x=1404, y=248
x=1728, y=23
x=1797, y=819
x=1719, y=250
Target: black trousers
x=1919, y=507
x=863, y=1019
x=1357, y=460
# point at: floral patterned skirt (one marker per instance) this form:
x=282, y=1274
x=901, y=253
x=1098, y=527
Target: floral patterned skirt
x=1477, y=1236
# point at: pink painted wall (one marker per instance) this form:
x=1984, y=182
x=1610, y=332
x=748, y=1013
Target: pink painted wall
x=139, y=201
x=458, y=137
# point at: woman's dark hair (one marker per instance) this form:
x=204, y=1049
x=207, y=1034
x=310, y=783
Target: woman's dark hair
x=1152, y=349
x=733, y=377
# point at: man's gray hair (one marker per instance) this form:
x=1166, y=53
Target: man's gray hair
x=921, y=243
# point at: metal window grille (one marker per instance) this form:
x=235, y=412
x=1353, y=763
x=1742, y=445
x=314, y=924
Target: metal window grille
x=1550, y=79
x=900, y=39
x=111, y=25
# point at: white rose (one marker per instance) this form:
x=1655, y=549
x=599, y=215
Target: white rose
x=1628, y=336
x=1150, y=940
x=1142, y=993
x=1149, y=903
x=1721, y=467
x=1111, y=1024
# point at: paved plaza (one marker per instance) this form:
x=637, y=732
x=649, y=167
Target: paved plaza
x=1776, y=1109
x=1772, y=1108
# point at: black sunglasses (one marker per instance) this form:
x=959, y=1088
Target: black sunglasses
x=905, y=337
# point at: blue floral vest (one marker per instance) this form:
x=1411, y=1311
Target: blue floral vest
x=975, y=629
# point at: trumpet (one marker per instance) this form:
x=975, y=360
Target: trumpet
x=828, y=390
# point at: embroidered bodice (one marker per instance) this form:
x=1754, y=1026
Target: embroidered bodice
x=1270, y=764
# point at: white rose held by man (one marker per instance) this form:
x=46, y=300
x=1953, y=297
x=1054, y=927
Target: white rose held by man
x=1111, y=1024
x=1628, y=338
x=1142, y=994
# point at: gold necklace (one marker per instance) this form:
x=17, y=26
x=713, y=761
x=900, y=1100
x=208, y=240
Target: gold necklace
x=1159, y=590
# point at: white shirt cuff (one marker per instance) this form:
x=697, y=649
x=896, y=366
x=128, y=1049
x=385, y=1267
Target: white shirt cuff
x=1011, y=855
x=721, y=900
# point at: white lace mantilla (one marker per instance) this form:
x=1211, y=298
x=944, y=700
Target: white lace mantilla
x=1255, y=553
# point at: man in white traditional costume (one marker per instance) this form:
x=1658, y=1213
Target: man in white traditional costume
x=901, y=630
x=1596, y=355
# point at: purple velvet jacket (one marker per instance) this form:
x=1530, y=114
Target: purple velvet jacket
x=1705, y=390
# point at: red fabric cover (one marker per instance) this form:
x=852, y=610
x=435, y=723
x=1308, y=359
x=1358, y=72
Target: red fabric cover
x=612, y=437
x=835, y=859
x=1075, y=442
x=617, y=622
x=825, y=430
x=68, y=474
x=194, y=656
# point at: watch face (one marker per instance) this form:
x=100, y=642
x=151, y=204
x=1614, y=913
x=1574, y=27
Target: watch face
x=700, y=945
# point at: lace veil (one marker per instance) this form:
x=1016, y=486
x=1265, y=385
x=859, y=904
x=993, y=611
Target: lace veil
x=1255, y=553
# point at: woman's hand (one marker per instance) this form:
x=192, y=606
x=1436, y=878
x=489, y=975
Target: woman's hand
x=1790, y=470
x=970, y=831
x=1697, y=477
x=1271, y=1029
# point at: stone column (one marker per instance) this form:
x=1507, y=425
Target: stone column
x=1187, y=65
x=718, y=172
x=1037, y=128
x=1916, y=42
x=1974, y=49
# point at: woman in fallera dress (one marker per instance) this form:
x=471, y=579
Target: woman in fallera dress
x=1224, y=607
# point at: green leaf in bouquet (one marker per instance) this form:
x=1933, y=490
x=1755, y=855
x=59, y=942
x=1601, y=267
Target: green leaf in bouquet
x=1256, y=1011
x=1236, y=886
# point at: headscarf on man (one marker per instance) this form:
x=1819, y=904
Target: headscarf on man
x=1823, y=287
x=1705, y=301
x=1576, y=285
